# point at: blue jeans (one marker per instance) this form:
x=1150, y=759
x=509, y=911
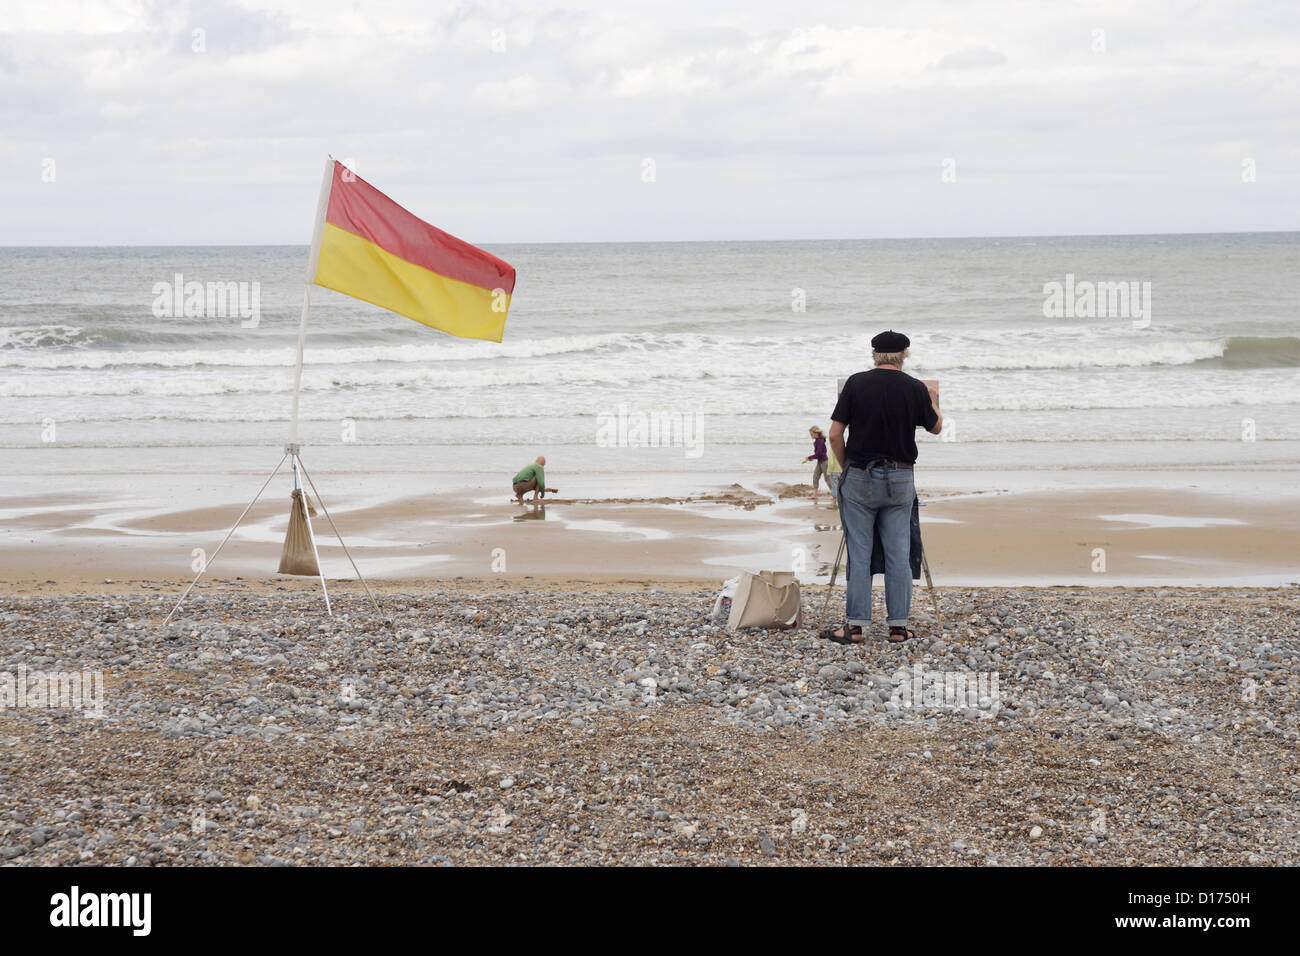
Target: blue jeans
x=880, y=497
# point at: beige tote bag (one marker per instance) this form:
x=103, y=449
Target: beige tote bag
x=766, y=599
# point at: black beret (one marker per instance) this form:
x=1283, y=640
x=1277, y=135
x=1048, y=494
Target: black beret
x=890, y=341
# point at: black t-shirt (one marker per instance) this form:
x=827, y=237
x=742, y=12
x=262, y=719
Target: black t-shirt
x=882, y=409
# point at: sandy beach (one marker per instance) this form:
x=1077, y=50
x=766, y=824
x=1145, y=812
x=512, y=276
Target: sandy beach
x=1114, y=681
x=576, y=705
x=994, y=534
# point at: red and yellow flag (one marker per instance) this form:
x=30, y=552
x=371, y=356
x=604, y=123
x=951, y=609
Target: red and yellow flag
x=370, y=248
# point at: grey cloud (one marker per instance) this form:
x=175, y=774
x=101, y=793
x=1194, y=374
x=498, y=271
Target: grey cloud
x=544, y=141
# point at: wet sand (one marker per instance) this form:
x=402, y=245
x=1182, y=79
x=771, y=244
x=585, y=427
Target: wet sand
x=1105, y=537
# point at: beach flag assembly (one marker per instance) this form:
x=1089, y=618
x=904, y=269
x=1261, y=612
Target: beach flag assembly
x=368, y=247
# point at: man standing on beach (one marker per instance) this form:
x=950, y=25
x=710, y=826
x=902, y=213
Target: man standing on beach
x=531, y=478
x=881, y=409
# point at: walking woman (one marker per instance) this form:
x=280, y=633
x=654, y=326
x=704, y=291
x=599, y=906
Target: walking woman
x=820, y=468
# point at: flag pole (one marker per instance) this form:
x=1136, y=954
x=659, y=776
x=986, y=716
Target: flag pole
x=313, y=259
x=297, y=371
x=291, y=449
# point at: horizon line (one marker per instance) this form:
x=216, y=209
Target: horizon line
x=648, y=242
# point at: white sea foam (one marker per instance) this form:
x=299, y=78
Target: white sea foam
x=970, y=355
x=704, y=329
x=701, y=387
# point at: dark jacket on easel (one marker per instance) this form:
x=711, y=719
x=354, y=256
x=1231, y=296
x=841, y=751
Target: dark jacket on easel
x=878, y=550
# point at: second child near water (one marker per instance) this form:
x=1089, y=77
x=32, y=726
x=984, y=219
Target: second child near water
x=821, y=469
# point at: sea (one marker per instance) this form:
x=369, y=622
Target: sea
x=624, y=360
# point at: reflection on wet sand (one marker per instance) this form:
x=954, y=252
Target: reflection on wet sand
x=535, y=513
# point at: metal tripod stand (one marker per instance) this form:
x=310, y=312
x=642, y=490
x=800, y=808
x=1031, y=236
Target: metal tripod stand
x=290, y=451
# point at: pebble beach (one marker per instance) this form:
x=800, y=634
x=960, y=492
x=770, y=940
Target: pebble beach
x=503, y=723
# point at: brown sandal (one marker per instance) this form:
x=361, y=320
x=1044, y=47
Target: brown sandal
x=841, y=635
x=898, y=634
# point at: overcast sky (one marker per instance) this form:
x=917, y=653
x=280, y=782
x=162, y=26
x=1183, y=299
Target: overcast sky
x=764, y=119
